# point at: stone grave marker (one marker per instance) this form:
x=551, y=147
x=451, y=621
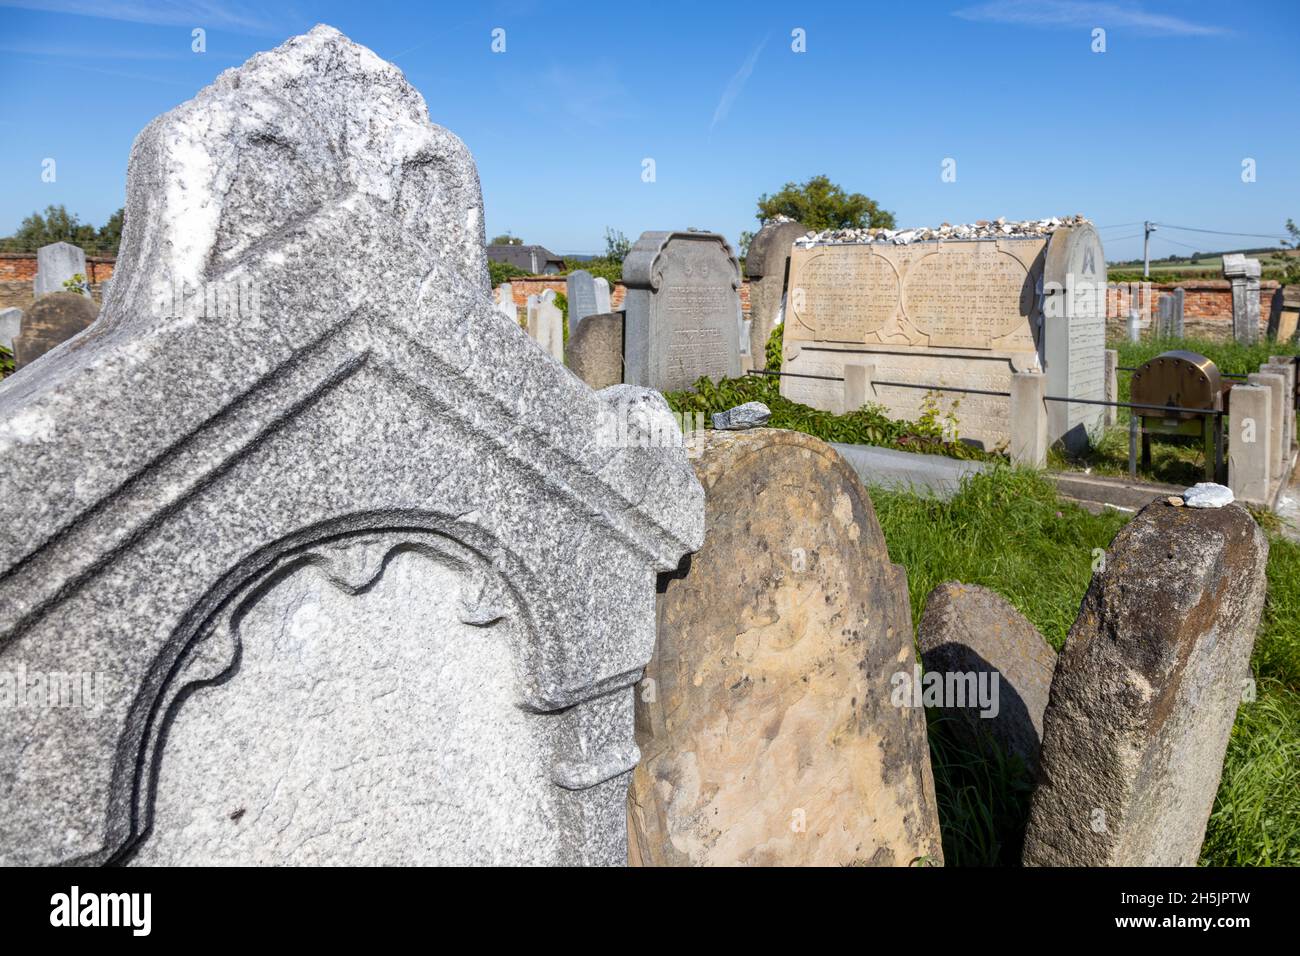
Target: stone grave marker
x=586, y=295
x=1146, y=690
x=546, y=324
x=971, y=633
x=56, y=263
x=595, y=350
x=321, y=592
x=1244, y=274
x=51, y=321
x=683, y=310
x=767, y=266
x=767, y=721
x=1284, y=317
x=1169, y=317
x=962, y=313
x=503, y=298
x=11, y=323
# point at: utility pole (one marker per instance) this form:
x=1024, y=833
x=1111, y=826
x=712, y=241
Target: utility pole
x=1147, y=228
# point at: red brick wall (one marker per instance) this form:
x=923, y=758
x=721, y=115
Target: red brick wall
x=1207, y=306
x=521, y=287
x=15, y=266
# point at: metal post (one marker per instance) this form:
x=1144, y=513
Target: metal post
x=1132, y=445
x=1147, y=228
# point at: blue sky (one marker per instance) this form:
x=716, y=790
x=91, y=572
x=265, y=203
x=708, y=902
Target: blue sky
x=1156, y=127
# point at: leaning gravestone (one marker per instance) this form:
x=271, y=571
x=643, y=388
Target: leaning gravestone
x=969, y=633
x=55, y=264
x=766, y=720
x=345, y=603
x=546, y=324
x=11, y=324
x=51, y=321
x=1146, y=691
x=595, y=350
x=586, y=296
x=961, y=310
x=1244, y=275
x=683, y=310
x=767, y=266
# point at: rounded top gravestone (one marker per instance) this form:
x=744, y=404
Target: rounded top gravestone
x=52, y=320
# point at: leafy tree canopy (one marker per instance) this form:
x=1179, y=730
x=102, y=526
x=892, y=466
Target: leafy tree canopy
x=506, y=240
x=821, y=204
x=56, y=224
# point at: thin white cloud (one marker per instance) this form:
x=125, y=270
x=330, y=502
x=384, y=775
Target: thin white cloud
x=1084, y=14
x=231, y=16
x=590, y=93
x=736, y=85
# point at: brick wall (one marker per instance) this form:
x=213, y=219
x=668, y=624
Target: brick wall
x=1207, y=306
x=521, y=287
x=18, y=270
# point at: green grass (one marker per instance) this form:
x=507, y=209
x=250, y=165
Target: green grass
x=1008, y=531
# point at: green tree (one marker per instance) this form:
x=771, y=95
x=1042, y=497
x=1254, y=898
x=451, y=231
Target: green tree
x=1291, y=263
x=109, y=237
x=821, y=204
x=505, y=239
x=56, y=224
x=617, y=245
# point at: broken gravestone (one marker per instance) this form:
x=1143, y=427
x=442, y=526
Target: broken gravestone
x=766, y=722
x=595, y=350
x=303, y=585
x=1146, y=691
x=51, y=321
x=976, y=641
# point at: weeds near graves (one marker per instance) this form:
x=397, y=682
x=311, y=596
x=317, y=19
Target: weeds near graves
x=1008, y=531
x=7, y=366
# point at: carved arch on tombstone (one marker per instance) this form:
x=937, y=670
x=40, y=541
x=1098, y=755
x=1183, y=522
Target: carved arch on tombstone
x=352, y=553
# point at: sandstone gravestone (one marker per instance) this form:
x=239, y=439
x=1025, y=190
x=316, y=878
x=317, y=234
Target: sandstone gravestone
x=11, y=323
x=683, y=310
x=767, y=266
x=970, y=630
x=503, y=298
x=586, y=296
x=345, y=603
x=964, y=313
x=1284, y=316
x=1244, y=275
x=1146, y=691
x=56, y=263
x=51, y=321
x=546, y=324
x=595, y=350
x=767, y=730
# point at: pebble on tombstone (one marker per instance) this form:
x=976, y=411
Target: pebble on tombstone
x=51, y=321
x=969, y=630
x=358, y=580
x=768, y=730
x=594, y=352
x=1146, y=691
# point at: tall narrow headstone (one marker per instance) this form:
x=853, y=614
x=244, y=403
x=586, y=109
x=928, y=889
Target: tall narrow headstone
x=55, y=264
x=504, y=300
x=767, y=266
x=1146, y=690
x=1244, y=275
x=546, y=324
x=350, y=577
x=769, y=722
x=586, y=295
x=683, y=310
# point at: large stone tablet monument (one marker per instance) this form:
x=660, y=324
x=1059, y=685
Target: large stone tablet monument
x=767, y=266
x=55, y=264
x=321, y=592
x=683, y=310
x=767, y=719
x=51, y=321
x=1146, y=690
x=964, y=312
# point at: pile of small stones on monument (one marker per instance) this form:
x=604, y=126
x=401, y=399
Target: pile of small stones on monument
x=371, y=577
x=998, y=228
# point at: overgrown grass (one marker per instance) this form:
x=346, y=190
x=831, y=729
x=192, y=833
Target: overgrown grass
x=1008, y=531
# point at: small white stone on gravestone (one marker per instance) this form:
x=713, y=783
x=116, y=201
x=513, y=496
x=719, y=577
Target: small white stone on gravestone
x=1207, y=494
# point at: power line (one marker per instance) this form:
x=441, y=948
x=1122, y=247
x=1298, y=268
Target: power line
x=1119, y=225
x=1220, y=232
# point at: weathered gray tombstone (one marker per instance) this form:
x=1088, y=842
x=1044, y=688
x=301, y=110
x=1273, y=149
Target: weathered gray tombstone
x=56, y=263
x=586, y=295
x=11, y=323
x=546, y=324
x=767, y=721
x=683, y=310
x=503, y=298
x=767, y=266
x=1179, y=312
x=51, y=321
x=1146, y=690
x=969, y=634
x=341, y=602
x=595, y=350
x=1244, y=275
x=1284, y=310
x=1073, y=341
